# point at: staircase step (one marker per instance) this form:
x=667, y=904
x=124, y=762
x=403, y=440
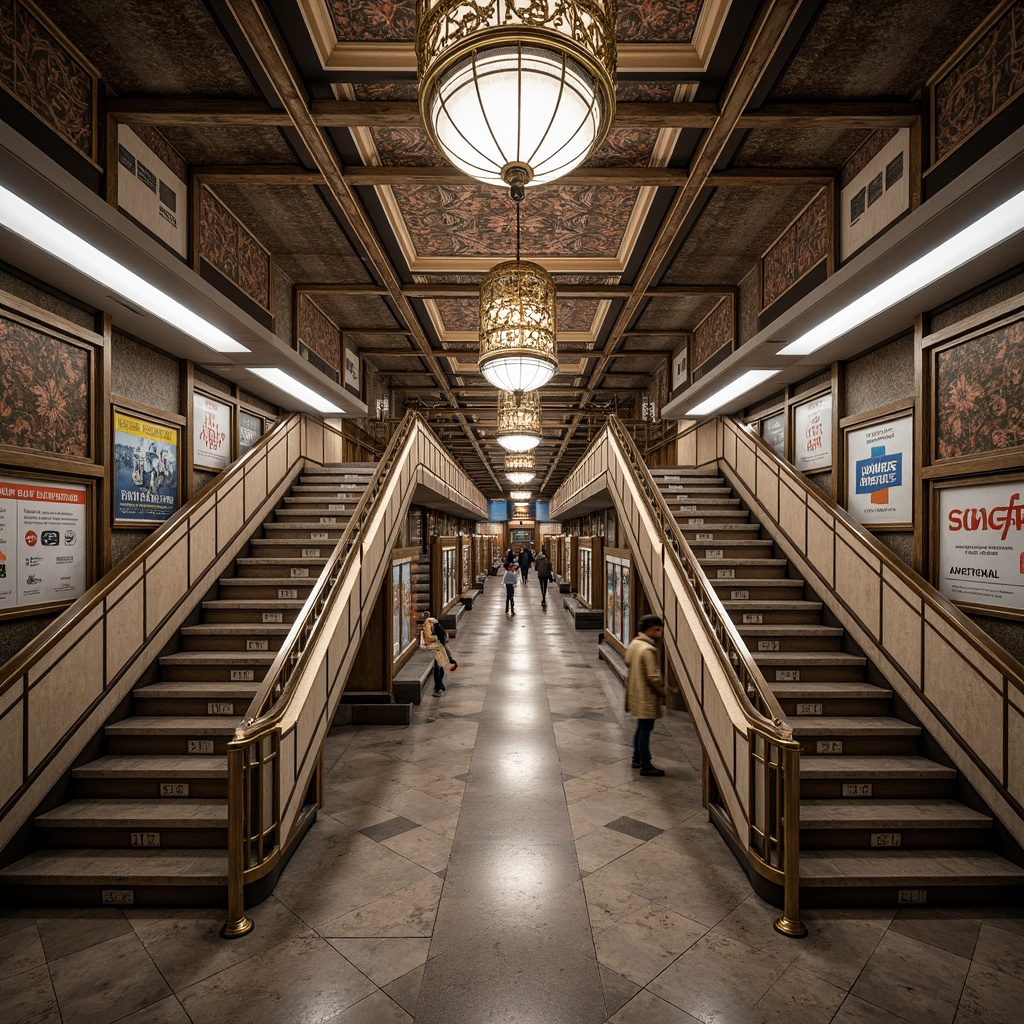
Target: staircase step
x=284, y=547
x=773, y=612
x=854, y=735
x=262, y=568
x=840, y=767
x=143, y=877
x=171, y=822
x=303, y=531
x=140, y=777
x=214, y=667
x=189, y=696
x=890, y=814
x=273, y=613
x=170, y=734
x=761, y=589
x=229, y=636
x=742, y=568
x=850, y=726
x=832, y=699
x=246, y=588
x=808, y=666
x=884, y=777
x=786, y=638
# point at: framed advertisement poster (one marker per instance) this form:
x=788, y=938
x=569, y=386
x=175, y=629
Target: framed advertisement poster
x=353, y=378
x=145, y=469
x=43, y=542
x=211, y=432
x=980, y=540
x=812, y=435
x=773, y=433
x=880, y=472
x=680, y=367
x=250, y=430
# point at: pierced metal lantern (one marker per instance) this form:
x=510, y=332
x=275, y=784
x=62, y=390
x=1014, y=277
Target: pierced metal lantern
x=517, y=326
x=520, y=467
x=518, y=421
x=516, y=91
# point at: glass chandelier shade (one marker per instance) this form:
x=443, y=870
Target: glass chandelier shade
x=517, y=326
x=514, y=91
x=520, y=467
x=520, y=495
x=518, y=421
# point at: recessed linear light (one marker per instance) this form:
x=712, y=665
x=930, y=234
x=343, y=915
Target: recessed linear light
x=995, y=227
x=725, y=395
x=288, y=384
x=36, y=227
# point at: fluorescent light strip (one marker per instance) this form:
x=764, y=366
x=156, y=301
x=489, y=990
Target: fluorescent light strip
x=731, y=391
x=36, y=227
x=289, y=385
x=995, y=227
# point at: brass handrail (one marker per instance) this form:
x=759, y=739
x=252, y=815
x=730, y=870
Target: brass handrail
x=773, y=849
x=247, y=754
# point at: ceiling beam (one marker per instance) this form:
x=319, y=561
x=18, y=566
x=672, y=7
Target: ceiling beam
x=405, y=114
x=270, y=50
x=248, y=174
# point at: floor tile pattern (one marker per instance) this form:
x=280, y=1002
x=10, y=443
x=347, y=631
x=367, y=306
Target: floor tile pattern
x=499, y=861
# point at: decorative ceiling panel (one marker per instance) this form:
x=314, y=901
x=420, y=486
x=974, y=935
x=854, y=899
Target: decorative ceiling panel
x=459, y=319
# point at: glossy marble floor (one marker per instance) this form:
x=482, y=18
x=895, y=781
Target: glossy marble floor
x=499, y=861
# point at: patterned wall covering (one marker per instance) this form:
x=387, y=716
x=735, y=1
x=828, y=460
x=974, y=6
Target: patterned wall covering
x=802, y=246
x=651, y=21
x=390, y=21
x=474, y=220
x=987, y=77
x=979, y=394
x=42, y=70
x=163, y=149
x=318, y=338
x=714, y=333
x=227, y=246
x=44, y=391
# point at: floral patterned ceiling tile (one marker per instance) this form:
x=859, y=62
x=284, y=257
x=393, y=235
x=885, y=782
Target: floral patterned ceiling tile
x=379, y=91
x=638, y=21
x=475, y=221
x=405, y=147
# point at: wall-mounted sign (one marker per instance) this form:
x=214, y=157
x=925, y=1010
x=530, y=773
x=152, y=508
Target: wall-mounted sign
x=980, y=533
x=773, y=433
x=211, y=432
x=150, y=191
x=352, y=376
x=145, y=469
x=812, y=435
x=880, y=473
x=250, y=430
x=43, y=542
x=680, y=367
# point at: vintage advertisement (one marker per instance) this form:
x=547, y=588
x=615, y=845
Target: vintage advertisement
x=880, y=473
x=250, y=430
x=211, y=432
x=43, y=542
x=352, y=379
x=773, y=433
x=145, y=469
x=680, y=367
x=812, y=435
x=981, y=544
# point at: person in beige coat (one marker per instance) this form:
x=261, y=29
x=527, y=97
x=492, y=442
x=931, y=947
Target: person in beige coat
x=433, y=644
x=645, y=690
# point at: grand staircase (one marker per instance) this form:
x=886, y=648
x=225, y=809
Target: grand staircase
x=881, y=821
x=145, y=822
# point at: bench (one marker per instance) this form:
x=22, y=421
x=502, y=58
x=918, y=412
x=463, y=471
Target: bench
x=583, y=617
x=614, y=660
x=413, y=678
x=450, y=621
x=468, y=598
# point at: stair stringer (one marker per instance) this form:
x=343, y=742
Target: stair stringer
x=423, y=470
x=722, y=720
x=937, y=661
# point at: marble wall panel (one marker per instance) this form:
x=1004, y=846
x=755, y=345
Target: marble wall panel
x=202, y=543
x=12, y=741
x=901, y=627
x=125, y=628
x=165, y=583
x=229, y=513
x=858, y=586
x=820, y=552
x=793, y=515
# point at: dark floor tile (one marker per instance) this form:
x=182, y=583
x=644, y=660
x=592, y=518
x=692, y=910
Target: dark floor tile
x=636, y=829
x=388, y=829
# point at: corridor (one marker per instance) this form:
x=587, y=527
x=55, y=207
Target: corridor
x=499, y=861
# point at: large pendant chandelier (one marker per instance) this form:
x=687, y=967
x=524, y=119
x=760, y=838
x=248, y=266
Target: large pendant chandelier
x=520, y=467
x=518, y=420
x=517, y=324
x=514, y=91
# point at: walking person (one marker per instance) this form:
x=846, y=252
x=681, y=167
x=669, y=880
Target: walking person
x=526, y=559
x=644, y=690
x=544, y=574
x=433, y=643
x=509, y=579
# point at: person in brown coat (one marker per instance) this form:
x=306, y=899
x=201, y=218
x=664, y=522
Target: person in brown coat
x=644, y=690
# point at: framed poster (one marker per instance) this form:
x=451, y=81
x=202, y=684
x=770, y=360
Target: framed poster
x=145, y=469
x=43, y=542
x=880, y=472
x=773, y=433
x=211, y=432
x=980, y=539
x=680, y=367
x=353, y=377
x=250, y=430
x=403, y=607
x=812, y=435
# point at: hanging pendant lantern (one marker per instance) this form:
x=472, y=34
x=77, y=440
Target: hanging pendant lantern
x=514, y=91
x=520, y=467
x=518, y=420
